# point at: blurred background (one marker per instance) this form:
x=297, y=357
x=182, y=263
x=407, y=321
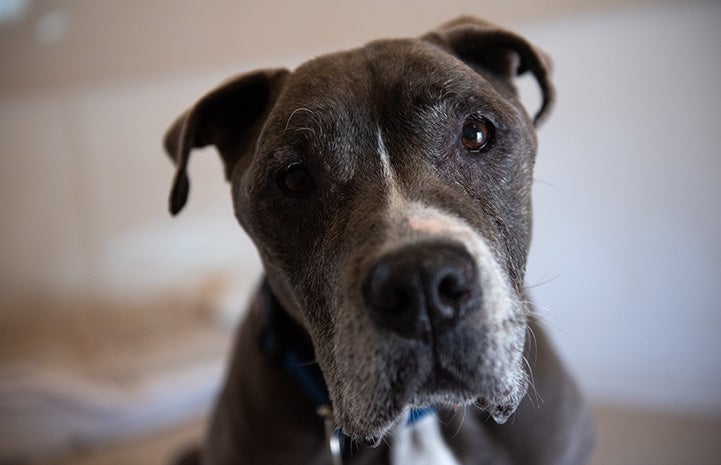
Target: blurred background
x=115, y=319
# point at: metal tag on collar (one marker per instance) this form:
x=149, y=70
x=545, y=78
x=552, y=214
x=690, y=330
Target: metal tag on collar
x=326, y=411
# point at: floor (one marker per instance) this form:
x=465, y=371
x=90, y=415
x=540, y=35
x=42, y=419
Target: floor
x=624, y=438
x=639, y=438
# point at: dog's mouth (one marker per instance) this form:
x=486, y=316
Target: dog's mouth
x=463, y=375
x=500, y=410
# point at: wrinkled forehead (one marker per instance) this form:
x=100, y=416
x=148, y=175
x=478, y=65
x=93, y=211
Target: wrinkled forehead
x=365, y=80
x=326, y=107
x=341, y=103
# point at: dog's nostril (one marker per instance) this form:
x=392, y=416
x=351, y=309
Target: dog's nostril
x=452, y=288
x=397, y=299
x=452, y=291
x=392, y=295
x=379, y=290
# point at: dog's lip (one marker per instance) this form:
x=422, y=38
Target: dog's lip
x=448, y=396
x=372, y=435
x=443, y=389
x=441, y=381
x=499, y=411
x=445, y=379
x=440, y=388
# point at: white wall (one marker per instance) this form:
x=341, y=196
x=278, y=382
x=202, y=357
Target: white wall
x=628, y=204
x=627, y=191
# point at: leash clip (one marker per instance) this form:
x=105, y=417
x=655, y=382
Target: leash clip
x=326, y=412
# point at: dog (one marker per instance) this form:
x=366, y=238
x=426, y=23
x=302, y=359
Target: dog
x=388, y=192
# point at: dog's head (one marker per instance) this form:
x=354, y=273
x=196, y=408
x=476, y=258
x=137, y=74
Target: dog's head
x=387, y=190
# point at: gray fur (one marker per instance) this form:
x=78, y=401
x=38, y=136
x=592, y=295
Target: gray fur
x=378, y=128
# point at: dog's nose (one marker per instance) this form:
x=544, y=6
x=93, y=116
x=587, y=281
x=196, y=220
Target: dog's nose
x=422, y=289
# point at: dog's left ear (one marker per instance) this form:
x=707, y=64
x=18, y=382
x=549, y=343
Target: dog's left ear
x=229, y=117
x=490, y=49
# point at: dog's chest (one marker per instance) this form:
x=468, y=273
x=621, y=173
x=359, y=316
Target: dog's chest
x=421, y=444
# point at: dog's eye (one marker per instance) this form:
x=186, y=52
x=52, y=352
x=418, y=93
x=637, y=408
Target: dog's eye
x=296, y=181
x=476, y=134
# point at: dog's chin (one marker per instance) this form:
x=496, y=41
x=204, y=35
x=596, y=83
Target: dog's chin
x=500, y=408
x=499, y=403
x=369, y=431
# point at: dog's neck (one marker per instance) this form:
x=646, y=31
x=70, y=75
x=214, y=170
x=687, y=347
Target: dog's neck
x=289, y=348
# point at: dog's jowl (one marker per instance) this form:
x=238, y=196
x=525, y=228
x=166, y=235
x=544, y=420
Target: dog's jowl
x=388, y=192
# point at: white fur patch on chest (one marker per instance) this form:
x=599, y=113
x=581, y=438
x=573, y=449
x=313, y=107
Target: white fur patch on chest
x=421, y=444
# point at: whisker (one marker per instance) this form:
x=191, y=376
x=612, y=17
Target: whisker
x=532, y=385
x=287, y=123
x=544, y=282
x=538, y=317
x=532, y=310
x=547, y=183
x=305, y=129
x=460, y=425
x=534, y=340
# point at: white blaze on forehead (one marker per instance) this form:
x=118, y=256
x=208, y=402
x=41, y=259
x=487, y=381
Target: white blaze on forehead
x=386, y=168
x=430, y=225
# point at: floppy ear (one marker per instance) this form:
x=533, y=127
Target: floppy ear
x=229, y=117
x=502, y=54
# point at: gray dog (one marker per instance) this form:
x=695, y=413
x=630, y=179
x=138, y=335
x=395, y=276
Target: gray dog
x=388, y=192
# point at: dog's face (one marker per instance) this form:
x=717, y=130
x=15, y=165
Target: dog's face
x=388, y=192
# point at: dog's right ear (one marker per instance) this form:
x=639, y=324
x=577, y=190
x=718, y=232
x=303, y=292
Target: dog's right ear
x=229, y=117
